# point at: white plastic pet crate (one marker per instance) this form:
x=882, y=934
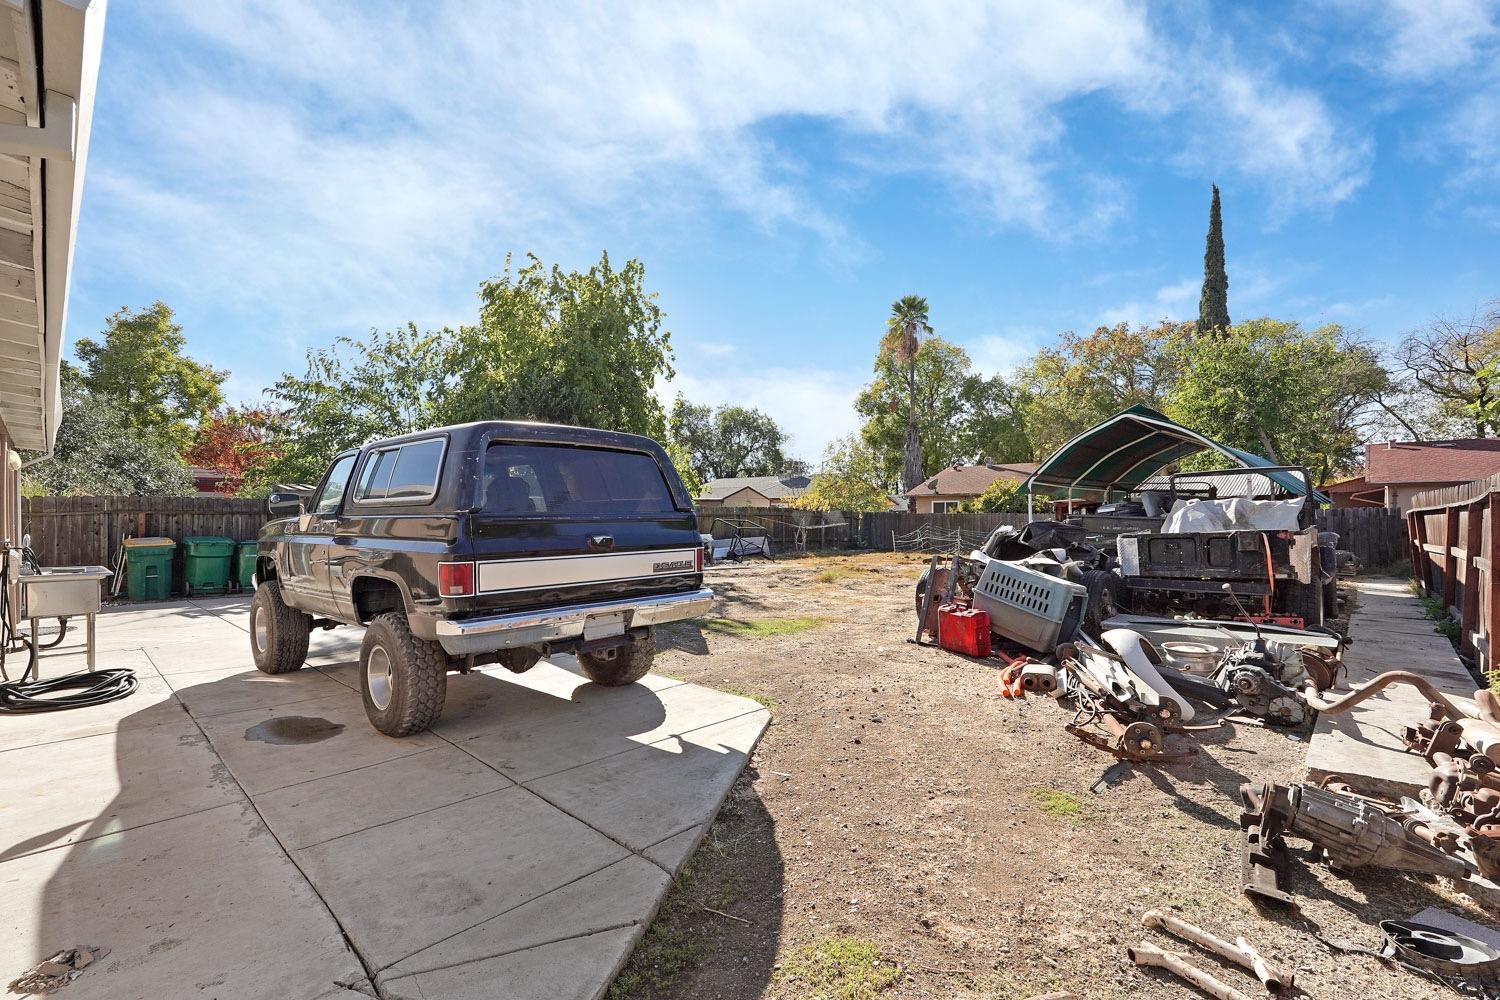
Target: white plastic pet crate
x=1033, y=608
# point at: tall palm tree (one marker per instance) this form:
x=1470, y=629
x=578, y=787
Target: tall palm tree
x=907, y=324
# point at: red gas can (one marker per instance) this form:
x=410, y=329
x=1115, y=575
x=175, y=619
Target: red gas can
x=964, y=630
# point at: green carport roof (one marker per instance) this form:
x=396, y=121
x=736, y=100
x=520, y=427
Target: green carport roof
x=1126, y=450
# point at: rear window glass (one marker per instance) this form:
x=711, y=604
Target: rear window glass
x=409, y=472
x=563, y=480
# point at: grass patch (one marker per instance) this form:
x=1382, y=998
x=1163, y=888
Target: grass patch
x=1444, y=623
x=760, y=628
x=759, y=699
x=840, y=968
x=1055, y=802
x=831, y=575
x=666, y=951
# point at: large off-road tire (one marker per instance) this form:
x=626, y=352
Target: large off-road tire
x=1104, y=600
x=403, y=679
x=278, y=633
x=1305, y=601
x=628, y=663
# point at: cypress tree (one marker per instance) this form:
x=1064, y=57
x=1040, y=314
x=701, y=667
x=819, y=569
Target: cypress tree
x=1213, y=304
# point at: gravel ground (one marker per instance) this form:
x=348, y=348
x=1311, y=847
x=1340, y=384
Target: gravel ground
x=899, y=807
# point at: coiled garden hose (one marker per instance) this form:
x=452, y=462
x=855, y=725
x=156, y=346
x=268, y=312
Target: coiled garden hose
x=97, y=688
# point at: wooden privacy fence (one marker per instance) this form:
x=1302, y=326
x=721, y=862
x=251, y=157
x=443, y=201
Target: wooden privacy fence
x=86, y=531
x=1455, y=555
x=72, y=531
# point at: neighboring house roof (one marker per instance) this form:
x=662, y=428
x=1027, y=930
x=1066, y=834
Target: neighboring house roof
x=1457, y=461
x=970, y=480
x=1356, y=484
x=770, y=487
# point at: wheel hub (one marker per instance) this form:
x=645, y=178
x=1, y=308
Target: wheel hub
x=378, y=677
x=261, y=632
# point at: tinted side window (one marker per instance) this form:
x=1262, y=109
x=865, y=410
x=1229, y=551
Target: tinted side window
x=372, y=481
x=407, y=472
x=333, y=490
x=416, y=472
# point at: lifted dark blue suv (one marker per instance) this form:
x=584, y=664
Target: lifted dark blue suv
x=475, y=544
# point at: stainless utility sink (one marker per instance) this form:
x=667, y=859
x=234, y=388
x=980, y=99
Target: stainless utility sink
x=63, y=591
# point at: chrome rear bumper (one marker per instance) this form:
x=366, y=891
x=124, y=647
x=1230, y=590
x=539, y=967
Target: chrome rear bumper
x=531, y=628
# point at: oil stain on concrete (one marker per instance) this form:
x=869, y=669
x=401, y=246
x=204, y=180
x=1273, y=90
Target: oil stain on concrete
x=293, y=730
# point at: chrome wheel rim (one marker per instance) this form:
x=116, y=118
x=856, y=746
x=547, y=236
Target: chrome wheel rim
x=378, y=677
x=261, y=631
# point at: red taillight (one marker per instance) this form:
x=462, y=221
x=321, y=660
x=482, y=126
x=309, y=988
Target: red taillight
x=698, y=559
x=456, y=579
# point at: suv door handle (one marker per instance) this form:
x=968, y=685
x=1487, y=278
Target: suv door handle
x=601, y=543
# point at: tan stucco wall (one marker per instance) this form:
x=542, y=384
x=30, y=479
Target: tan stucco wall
x=923, y=504
x=746, y=498
x=1398, y=497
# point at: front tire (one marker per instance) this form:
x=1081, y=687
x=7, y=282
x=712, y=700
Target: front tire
x=1103, y=602
x=278, y=632
x=622, y=664
x=404, y=679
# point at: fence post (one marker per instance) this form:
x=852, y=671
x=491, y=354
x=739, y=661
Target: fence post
x=1473, y=541
x=1450, y=557
x=1492, y=583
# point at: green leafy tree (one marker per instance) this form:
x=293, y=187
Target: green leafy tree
x=850, y=479
x=1295, y=396
x=728, y=441
x=352, y=392
x=684, y=465
x=1213, y=304
x=99, y=453
x=996, y=426
x=1084, y=380
x=935, y=387
x=565, y=347
x=897, y=365
x=141, y=365
x=1003, y=496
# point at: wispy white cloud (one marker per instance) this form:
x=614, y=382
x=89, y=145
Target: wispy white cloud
x=1175, y=302
x=367, y=160
x=1425, y=38
x=814, y=405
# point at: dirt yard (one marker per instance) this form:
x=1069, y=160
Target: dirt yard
x=903, y=831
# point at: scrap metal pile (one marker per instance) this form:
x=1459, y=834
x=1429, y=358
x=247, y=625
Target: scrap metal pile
x=1139, y=685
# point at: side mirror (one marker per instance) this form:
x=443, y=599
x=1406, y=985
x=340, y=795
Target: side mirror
x=284, y=504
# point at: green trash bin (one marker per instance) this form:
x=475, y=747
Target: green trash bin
x=148, y=568
x=205, y=564
x=244, y=567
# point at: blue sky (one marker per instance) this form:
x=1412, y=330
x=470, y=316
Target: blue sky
x=285, y=173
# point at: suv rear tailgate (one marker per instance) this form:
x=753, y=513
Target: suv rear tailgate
x=563, y=524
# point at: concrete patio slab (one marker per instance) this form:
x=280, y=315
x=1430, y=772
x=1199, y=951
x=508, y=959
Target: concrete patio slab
x=207, y=905
x=312, y=812
x=1363, y=746
x=448, y=877
x=404, y=886
x=57, y=793
x=350, y=742
x=572, y=967
x=239, y=689
x=151, y=705
x=608, y=899
x=653, y=792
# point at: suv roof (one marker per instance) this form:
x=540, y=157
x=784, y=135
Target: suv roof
x=523, y=430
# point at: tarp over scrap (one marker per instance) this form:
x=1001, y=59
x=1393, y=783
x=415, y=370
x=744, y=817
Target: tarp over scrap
x=1115, y=457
